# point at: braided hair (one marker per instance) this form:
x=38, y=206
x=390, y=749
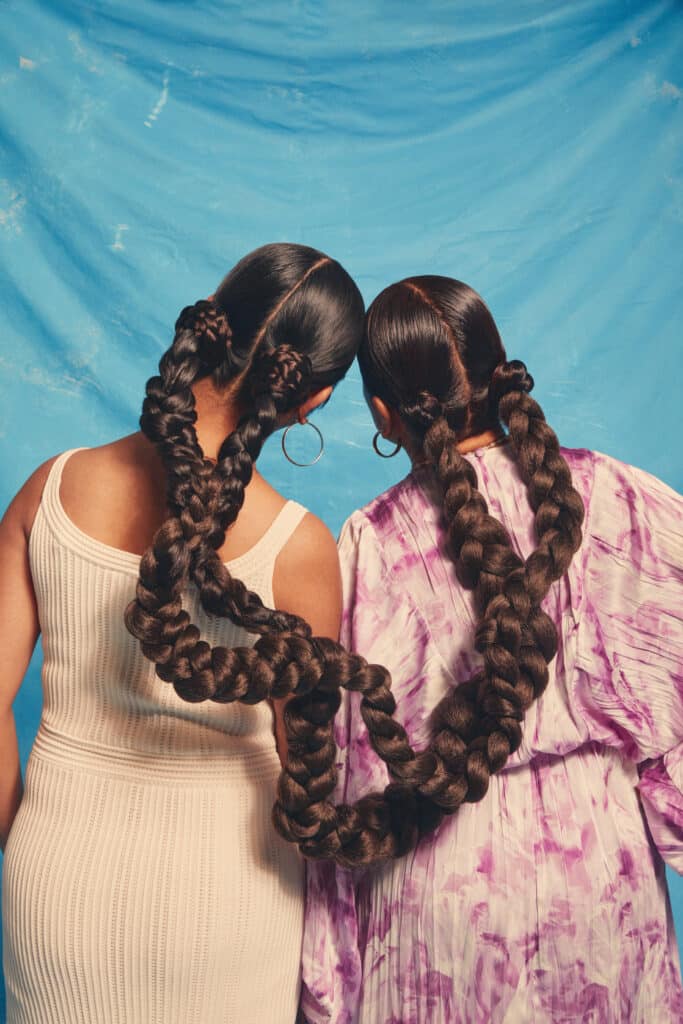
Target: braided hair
x=432, y=351
x=284, y=323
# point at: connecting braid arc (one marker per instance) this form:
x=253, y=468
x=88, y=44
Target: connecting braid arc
x=278, y=665
x=478, y=725
x=207, y=499
x=454, y=769
x=429, y=783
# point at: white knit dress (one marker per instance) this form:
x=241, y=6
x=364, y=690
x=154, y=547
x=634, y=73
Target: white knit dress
x=143, y=882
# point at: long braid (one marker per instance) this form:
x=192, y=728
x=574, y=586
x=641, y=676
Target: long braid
x=478, y=723
x=274, y=667
x=457, y=765
x=556, y=503
x=477, y=726
x=184, y=548
x=156, y=616
x=278, y=378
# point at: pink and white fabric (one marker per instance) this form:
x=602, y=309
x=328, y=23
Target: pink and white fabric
x=547, y=901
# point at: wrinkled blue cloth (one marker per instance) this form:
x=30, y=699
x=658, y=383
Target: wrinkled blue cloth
x=531, y=149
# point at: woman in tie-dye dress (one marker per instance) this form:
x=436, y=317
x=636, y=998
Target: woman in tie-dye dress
x=545, y=901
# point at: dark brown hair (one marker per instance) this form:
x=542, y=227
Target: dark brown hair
x=432, y=351
x=285, y=322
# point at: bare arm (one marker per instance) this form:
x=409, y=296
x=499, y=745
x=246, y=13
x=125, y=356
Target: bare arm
x=307, y=582
x=19, y=629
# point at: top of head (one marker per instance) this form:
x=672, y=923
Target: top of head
x=288, y=307
x=431, y=347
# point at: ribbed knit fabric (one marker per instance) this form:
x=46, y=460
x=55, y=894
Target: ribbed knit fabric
x=143, y=882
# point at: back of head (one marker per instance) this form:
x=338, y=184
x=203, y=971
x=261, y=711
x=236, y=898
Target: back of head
x=432, y=352
x=433, y=336
x=277, y=330
x=291, y=295
x=285, y=322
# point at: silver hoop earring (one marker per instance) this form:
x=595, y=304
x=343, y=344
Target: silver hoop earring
x=384, y=455
x=320, y=438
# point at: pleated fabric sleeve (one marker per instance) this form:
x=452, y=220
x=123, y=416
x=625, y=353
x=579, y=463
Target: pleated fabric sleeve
x=546, y=901
x=630, y=637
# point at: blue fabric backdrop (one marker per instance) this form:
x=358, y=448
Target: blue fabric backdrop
x=531, y=149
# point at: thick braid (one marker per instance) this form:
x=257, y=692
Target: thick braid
x=184, y=547
x=453, y=768
x=173, y=643
x=196, y=488
x=478, y=729
x=206, y=501
x=277, y=379
x=478, y=725
x=556, y=503
x=156, y=615
x=532, y=640
x=378, y=826
x=201, y=342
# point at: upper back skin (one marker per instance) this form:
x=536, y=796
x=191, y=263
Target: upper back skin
x=115, y=493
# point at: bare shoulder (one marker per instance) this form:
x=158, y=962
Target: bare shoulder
x=311, y=542
x=95, y=468
x=307, y=578
x=83, y=471
x=115, y=492
x=21, y=511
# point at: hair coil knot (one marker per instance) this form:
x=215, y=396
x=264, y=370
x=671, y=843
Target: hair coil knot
x=210, y=326
x=281, y=372
x=424, y=410
x=511, y=375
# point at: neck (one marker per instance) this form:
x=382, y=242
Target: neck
x=489, y=437
x=468, y=444
x=217, y=415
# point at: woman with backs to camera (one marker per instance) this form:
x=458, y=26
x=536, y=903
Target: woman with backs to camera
x=142, y=879
x=528, y=600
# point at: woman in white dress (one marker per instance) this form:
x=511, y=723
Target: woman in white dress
x=143, y=882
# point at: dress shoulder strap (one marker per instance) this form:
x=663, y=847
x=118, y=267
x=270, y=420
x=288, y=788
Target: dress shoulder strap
x=257, y=565
x=282, y=527
x=50, y=500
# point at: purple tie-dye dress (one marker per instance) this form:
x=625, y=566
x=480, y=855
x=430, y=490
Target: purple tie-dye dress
x=545, y=902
